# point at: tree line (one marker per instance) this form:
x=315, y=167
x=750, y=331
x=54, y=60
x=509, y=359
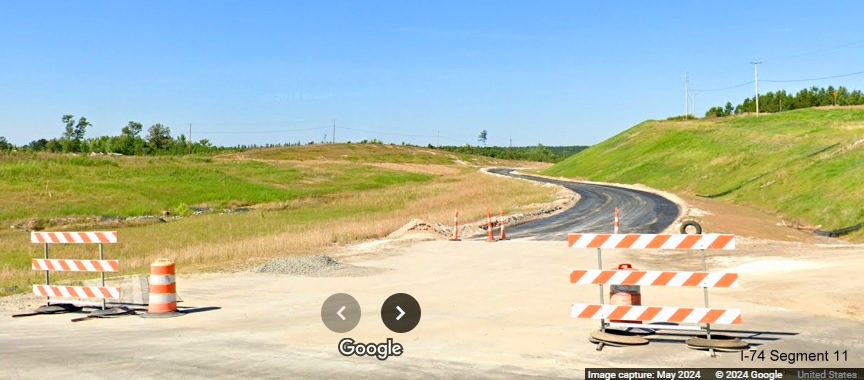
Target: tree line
x=133, y=140
x=537, y=153
x=782, y=101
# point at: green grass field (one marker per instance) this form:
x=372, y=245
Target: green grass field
x=303, y=200
x=55, y=186
x=364, y=153
x=805, y=165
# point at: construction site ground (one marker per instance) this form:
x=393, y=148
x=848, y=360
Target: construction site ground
x=489, y=310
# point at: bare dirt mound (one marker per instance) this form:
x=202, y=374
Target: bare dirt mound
x=315, y=266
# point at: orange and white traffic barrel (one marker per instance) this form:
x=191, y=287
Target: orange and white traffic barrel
x=625, y=295
x=163, y=289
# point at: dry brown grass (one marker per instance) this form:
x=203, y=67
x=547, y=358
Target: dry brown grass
x=300, y=227
x=471, y=193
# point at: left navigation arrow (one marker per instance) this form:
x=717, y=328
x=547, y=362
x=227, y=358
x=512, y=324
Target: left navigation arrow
x=340, y=313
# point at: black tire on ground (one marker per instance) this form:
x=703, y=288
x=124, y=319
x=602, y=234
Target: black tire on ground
x=690, y=223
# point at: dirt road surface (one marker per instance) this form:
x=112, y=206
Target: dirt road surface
x=489, y=310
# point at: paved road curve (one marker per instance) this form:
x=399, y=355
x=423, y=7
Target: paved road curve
x=640, y=212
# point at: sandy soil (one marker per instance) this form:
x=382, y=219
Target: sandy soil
x=490, y=310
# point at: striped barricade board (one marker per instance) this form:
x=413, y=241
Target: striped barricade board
x=619, y=315
x=658, y=314
x=77, y=291
x=75, y=265
x=67, y=265
x=653, y=278
x=651, y=241
x=92, y=237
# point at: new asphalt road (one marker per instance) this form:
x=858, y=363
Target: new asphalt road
x=639, y=212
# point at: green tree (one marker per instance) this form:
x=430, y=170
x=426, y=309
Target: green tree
x=132, y=129
x=727, y=110
x=53, y=146
x=5, y=145
x=482, y=137
x=38, y=145
x=158, y=138
x=130, y=142
x=714, y=112
x=74, y=133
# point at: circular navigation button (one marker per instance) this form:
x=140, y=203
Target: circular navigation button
x=400, y=313
x=340, y=313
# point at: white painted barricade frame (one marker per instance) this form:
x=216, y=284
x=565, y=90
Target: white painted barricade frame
x=653, y=242
x=74, y=265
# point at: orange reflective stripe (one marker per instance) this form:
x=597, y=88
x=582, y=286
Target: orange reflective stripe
x=633, y=278
x=627, y=241
x=156, y=308
x=619, y=312
x=649, y=313
x=657, y=241
x=598, y=241
x=712, y=316
x=162, y=269
x=727, y=280
x=680, y=315
x=695, y=279
x=721, y=242
x=163, y=289
x=689, y=241
x=590, y=311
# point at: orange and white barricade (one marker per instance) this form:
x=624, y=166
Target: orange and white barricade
x=75, y=265
x=651, y=316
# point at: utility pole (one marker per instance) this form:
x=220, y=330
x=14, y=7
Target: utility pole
x=438, y=142
x=756, y=68
x=334, y=131
x=190, y=138
x=686, y=97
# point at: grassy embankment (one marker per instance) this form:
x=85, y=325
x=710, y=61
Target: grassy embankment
x=804, y=165
x=303, y=199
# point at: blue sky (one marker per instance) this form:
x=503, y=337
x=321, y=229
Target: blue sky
x=549, y=72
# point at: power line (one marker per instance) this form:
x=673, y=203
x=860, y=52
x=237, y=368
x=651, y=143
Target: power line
x=724, y=88
x=387, y=133
x=780, y=81
x=814, y=79
x=838, y=47
x=253, y=132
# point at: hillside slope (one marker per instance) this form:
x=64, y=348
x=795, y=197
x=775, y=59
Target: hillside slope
x=806, y=165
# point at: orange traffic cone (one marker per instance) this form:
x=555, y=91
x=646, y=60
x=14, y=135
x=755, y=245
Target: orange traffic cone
x=503, y=236
x=490, y=238
x=456, y=227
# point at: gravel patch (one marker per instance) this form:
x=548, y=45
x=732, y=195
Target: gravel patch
x=316, y=266
x=21, y=302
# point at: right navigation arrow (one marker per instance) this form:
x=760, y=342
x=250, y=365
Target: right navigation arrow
x=400, y=313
